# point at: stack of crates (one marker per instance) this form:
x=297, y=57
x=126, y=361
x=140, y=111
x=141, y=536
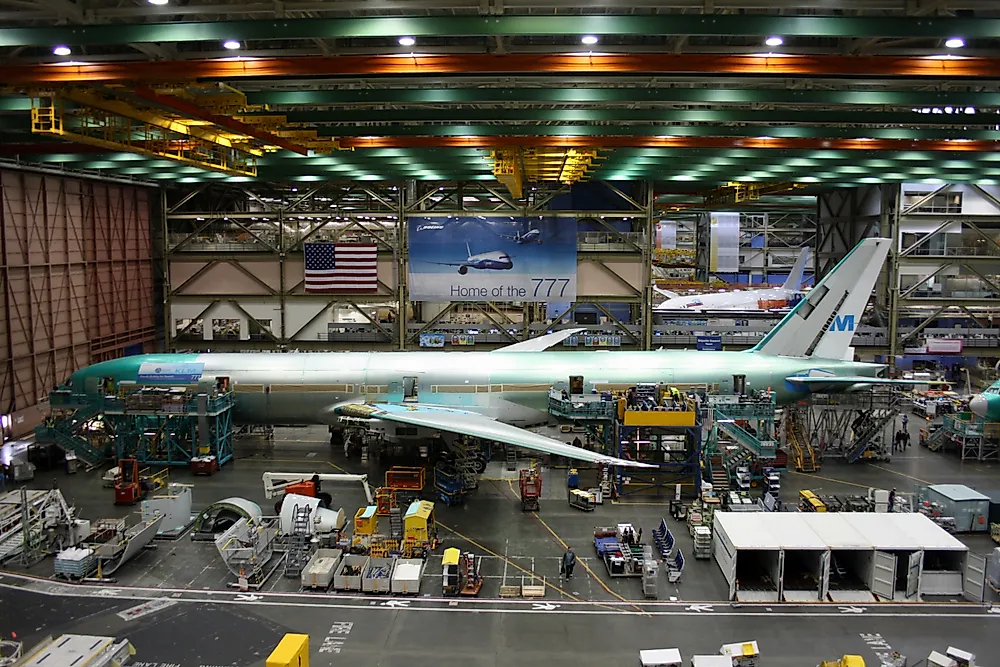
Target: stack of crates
x=449, y=487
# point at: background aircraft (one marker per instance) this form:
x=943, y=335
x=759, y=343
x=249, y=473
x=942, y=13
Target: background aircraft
x=778, y=298
x=492, y=395
x=494, y=260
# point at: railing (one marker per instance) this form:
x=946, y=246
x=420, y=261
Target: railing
x=76, y=444
x=962, y=424
x=745, y=408
x=610, y=241
x=154, y=404
x=761, y=448
x=985, y=250
x=588, y=406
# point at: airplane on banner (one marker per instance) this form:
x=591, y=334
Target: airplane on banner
x=494, y=260
x=773, y=299
x=492, y=395
x=530, y=236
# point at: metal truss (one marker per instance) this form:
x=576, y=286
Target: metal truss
x=235, y=229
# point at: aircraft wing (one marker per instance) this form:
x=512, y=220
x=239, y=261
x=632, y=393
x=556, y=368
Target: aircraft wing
x=855, y=379
x=476, y=425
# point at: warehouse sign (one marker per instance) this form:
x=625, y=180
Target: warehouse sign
x=431, y=340
x=153, y=373
x=476, y=258
x=708, y=343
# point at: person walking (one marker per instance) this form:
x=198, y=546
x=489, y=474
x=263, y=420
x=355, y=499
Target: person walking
x=568, y=562
x=892, y=500
x=906, y=421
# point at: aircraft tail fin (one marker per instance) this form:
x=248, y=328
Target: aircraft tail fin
x=823, y=323
x=468, y=249
x=794, y=282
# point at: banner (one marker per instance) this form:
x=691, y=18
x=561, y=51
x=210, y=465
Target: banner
x=944, y=345
x=724, y=250
x=431, y=340
x=477, y=258
x=152, y=373
x=463, y=339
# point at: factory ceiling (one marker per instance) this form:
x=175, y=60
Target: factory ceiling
x=823, y=93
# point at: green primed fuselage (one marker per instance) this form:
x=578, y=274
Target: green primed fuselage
x=512, y=387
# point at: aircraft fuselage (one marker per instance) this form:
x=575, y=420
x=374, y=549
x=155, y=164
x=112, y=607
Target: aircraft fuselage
x=512, y=387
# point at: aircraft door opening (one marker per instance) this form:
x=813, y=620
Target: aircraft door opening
x=410, y=390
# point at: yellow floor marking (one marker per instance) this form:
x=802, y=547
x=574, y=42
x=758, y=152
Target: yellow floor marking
x=901, y=474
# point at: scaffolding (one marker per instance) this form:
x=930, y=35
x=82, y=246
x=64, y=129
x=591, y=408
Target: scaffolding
x=154, y=425
x=853, y=426
x=30, y=523
x=668, y=439
x=974, y=439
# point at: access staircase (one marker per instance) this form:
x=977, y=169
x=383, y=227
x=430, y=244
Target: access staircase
x=803, y=452
x=61, y=433
x=869, y=430
x=936, y=440
x=719, y=475
x=299, y=542
x=764, y=449
x=467, y=462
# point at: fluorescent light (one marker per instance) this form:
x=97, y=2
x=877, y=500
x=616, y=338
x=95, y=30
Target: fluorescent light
x=589, y=40
x=61, y=51
x=774, y=40
x=158, y=2
x=407, y=41
x=955, y=43
x=231, y=44
x=970, y=110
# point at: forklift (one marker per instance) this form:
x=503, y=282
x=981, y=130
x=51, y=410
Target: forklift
x=129, y=486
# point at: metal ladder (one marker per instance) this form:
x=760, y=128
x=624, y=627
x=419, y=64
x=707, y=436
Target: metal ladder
x=466, y=463
x=299, y=542
x=395, y=523
x=511, y=458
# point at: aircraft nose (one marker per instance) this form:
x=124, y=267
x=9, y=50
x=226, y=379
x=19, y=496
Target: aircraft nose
x=978, y=405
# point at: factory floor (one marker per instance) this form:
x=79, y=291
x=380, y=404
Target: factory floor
x=588, y=620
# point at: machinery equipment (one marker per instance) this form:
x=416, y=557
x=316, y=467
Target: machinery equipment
x=461, y=573
x=583, y=500
x=280, y=484
x=846, y=661
x=530, y=485
x=132, y=484
x=810, y=502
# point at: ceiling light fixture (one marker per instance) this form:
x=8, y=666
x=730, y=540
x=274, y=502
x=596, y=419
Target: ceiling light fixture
x=589, y=40
x=407, y=41
x=774, y=40
x=231, y=44
x=61, y=51
x=955, y=43
x=158, y=2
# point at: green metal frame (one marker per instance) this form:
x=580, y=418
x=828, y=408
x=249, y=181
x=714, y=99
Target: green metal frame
x=571, y=26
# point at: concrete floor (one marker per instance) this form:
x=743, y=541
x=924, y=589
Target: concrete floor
x=202, y=623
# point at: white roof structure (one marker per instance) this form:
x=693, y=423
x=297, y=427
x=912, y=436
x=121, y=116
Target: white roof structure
x=958, y=492
x=770, y=531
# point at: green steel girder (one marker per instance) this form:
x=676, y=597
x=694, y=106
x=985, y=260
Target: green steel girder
x=631, y=95
x=12, y=126
x=626, y=115
x=527, y=26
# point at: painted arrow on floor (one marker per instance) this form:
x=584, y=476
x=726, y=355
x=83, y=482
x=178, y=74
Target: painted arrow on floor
x=852, y=610
x=253, y=597
x=544, y=606
x=701, y=607
x=396, y=603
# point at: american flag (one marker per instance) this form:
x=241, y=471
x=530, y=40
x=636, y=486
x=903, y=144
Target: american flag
x=341, y=267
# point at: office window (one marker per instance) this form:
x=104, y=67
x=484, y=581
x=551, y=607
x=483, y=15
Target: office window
x=942, y=202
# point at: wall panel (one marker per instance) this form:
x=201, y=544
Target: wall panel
x=76, y=280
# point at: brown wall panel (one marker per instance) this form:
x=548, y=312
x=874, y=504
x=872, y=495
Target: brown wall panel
x=76, y=280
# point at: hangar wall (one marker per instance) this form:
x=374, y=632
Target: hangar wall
x=77, y=282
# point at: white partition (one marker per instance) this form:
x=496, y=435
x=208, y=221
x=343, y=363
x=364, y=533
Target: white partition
x=844, y=557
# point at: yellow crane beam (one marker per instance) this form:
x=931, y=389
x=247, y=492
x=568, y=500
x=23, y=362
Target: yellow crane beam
x=740, y=193
x=114, y=132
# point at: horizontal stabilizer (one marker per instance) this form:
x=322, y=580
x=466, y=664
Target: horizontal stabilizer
x=666, y=294
x=477, y=426
x=855, y=379
x=541, y=343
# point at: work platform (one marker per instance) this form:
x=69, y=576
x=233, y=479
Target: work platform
x=667, y=437
x=154, y=425
x=973, y=438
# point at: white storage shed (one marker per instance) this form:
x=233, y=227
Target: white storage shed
x=842, y=557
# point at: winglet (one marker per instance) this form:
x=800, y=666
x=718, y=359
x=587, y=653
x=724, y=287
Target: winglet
x=541, y=343
x=794, y=281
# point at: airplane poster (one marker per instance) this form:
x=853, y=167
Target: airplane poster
x=478, y=258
